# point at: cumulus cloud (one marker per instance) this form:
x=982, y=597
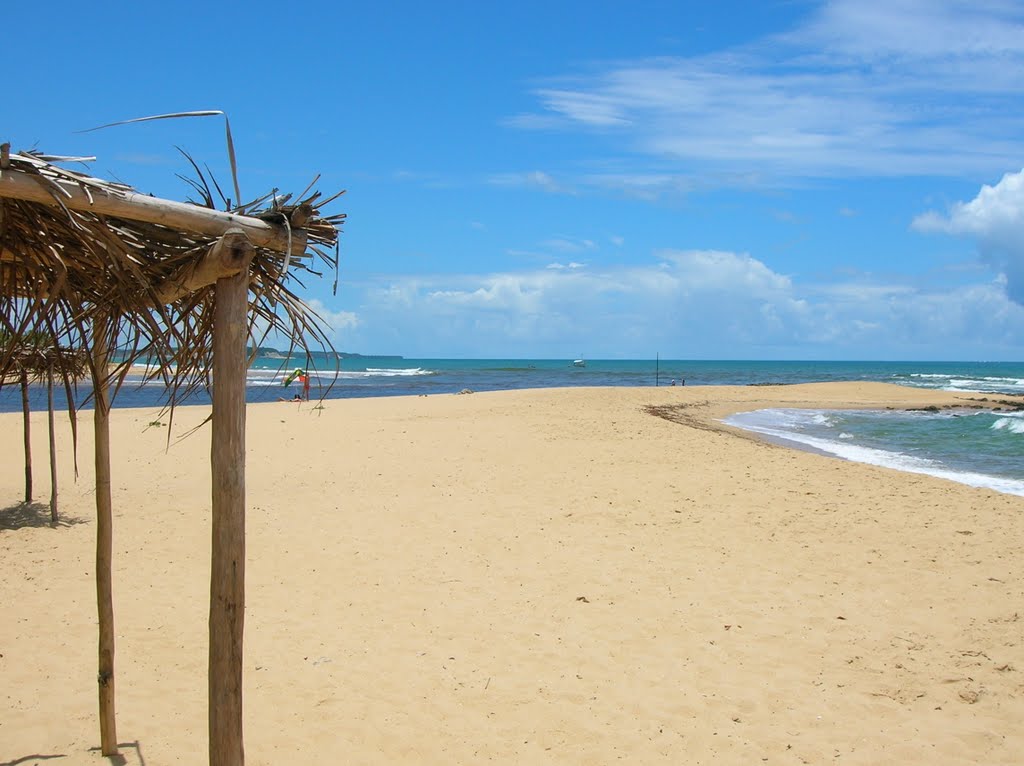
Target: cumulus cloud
x=337, y=321
x=722, y=271
x=684, y=303
x=994, y=219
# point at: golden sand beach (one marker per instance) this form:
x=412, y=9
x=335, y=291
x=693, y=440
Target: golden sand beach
x=550, y=576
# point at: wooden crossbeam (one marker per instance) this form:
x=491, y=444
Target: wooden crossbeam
x=132, y=206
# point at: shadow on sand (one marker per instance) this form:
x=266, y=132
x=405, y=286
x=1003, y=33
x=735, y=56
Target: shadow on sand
x=115, y=760
x=120, y=759
x=22, y=515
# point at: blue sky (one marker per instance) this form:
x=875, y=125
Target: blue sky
x=729, y=180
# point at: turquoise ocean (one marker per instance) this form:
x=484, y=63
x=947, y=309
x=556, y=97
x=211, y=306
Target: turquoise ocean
x=979, y=447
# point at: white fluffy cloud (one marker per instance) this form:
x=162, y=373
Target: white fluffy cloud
x=337, y=321
x=995, y=220
x=684, y=303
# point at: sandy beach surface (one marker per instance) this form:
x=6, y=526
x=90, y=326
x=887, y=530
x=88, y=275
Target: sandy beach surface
x=553, y=576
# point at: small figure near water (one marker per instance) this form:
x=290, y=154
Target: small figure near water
x=302, y=376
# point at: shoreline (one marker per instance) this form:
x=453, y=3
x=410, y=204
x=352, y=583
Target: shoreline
x=439, y=377
x=543, y=576
x=776, y=425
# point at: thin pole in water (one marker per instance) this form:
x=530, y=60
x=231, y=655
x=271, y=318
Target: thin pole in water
x=657, y=368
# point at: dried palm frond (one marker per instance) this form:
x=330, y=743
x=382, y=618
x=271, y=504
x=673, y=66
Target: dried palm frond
x=65, y=272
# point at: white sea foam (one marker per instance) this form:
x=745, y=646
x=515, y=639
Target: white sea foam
x=1012, y=423
x=786, y=426
x=397, y=372
x=266, y=377
x=986, y=385
x=983, y=384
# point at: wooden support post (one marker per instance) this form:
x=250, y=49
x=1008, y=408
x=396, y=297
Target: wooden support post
x=227, y=465
x=53, y=447
x=27, y=413
x=104, y=537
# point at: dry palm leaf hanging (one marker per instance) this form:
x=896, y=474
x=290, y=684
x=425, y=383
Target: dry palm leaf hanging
x=66, y=271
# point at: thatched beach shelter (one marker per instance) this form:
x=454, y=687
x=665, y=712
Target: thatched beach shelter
x=33, y=357
x=96, y=265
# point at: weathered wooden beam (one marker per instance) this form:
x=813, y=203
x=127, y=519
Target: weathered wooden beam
x=227, y=561
x=133, y=206
x=227, y=257
x=8, y=256
x=104, y=538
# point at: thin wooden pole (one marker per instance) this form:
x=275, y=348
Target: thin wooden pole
x=27, y=412
x=104, y=538
x=227, y=466
x=53, y=446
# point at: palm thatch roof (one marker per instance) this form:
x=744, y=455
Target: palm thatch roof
x=36, y=358
x=69, y=253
